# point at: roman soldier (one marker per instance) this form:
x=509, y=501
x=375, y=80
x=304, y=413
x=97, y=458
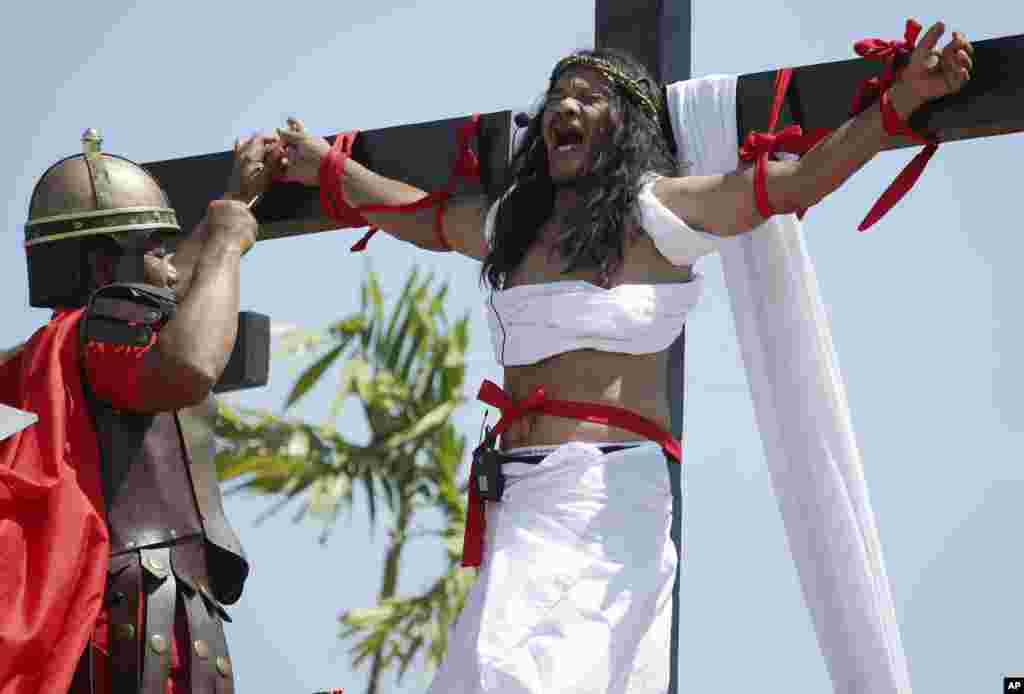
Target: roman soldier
x=118, y=559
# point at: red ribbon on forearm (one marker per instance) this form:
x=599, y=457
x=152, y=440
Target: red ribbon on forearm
x=332, y=172
x=758, y=146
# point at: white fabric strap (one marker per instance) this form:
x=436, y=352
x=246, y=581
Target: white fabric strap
x=802, y=413
x=679, y=242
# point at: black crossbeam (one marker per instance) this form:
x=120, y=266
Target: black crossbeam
x=820, y=96
x=422, y=155
x=658, y=33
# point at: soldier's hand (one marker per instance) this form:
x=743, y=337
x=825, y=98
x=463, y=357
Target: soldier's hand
x=257, y=163
x=230, y=223
x=302, y=154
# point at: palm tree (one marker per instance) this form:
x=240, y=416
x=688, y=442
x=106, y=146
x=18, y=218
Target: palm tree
x=407, y=371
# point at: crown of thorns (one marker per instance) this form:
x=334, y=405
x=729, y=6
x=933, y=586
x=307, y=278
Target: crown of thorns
x=634, y=88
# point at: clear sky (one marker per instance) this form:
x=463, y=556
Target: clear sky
x=924, y=308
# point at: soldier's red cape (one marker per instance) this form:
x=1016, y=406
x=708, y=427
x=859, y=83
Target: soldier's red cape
x=53, y=535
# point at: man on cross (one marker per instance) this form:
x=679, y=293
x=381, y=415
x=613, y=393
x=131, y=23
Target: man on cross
x=117, y=557
x=588, y=256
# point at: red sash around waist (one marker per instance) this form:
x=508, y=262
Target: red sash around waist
x=492, y=394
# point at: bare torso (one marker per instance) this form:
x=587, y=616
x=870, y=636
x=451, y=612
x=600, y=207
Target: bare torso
x=633, y=382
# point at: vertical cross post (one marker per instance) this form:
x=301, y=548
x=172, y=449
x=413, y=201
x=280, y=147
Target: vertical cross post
x=656, y=32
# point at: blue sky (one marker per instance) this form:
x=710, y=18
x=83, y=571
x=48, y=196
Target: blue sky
x=924, y=308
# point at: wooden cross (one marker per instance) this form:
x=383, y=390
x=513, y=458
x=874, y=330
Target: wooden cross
x=658, y=33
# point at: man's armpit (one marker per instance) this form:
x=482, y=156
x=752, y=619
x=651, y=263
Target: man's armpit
x=464, y=226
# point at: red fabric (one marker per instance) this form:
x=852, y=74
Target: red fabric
x=114, y=371
x=53, y=534
x=492, y=394
x=875, y=89
x=888, y=52
x=759, y=146
x=53, y=537
x=332, y=171
x=901, y=185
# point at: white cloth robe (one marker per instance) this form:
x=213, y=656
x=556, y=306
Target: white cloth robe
x=802, y=413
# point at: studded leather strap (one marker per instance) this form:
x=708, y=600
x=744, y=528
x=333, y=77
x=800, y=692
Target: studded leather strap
x=123, y=590
x=210, y=665
x=160, y=589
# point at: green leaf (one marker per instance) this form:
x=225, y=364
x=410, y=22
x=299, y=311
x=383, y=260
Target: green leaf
x=353, y=325
x=311, y=375
x=390, y=343
x=371, y=496
x=431, y=420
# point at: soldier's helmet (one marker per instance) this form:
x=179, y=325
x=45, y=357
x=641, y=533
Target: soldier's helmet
x=83, y=200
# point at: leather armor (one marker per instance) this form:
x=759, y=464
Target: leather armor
x=170, y=540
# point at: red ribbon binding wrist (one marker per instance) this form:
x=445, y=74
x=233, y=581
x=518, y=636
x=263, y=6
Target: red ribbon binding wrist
x=332, y=172
x=888, y=52
x=876, y=88
x=759, y=146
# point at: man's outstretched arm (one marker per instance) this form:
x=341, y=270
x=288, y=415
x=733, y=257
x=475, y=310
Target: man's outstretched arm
x=302, y=156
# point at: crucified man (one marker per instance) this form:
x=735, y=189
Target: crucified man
x=588, y=258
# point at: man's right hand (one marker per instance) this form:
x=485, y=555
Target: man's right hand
x=257, y=161
x=230, y=224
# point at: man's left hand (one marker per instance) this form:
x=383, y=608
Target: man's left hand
x=257, y=162
x=932, y=74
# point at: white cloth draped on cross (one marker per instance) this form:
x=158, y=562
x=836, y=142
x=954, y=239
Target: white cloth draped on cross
x=802, y=413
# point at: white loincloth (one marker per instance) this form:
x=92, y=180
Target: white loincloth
x=575, y=590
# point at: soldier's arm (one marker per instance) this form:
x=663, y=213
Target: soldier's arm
x=195, y=345
x=146, y=356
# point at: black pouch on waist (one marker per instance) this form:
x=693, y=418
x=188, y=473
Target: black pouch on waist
x=486, y=475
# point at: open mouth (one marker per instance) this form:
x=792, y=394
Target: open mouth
x=567, y=139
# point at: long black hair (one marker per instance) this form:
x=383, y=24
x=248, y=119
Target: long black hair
x=593, y=233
